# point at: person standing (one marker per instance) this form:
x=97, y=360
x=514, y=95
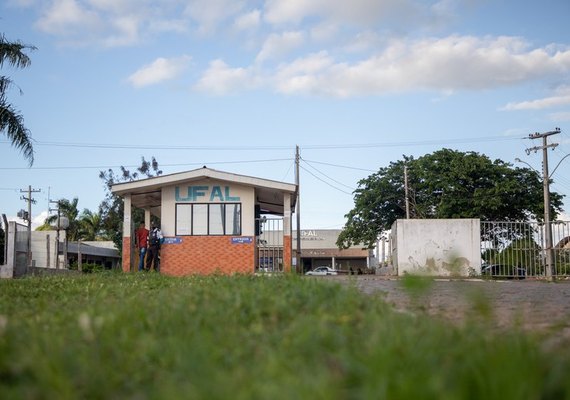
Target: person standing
x=155, y=239
x=141, y=240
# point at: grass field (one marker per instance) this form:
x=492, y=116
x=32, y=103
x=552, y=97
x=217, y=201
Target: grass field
x=148, y=336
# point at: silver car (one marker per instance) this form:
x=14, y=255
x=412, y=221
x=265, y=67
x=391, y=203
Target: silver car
x=322, y=271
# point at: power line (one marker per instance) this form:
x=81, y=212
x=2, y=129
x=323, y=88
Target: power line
x=322, y=180
x=410, y=143
x=341, y=166
x=155, y=146
x=276, y=147
x=328, y=177
x=135, y=166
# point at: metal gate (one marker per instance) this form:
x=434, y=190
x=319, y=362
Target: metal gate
x=270, y=245
x=518, y=249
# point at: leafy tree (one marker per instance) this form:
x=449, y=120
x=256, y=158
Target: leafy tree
x=11, y=121
x=111, y=208
x=444, y=184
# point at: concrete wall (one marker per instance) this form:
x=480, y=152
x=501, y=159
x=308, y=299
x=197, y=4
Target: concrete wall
x=437, y=247
x=44, y=249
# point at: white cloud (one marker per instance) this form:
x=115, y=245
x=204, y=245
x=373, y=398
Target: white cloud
x=220, y=79
x=248, y=21
x=302, y=75
x=276, y=46
x=561, y=98
x=363, y=42
x=539, y=104
x=355, y=12
x=211, y=13
x=445, y=65
x=38, y=220
x=324, y=31
x=127, y=29
x=65, y=16
x=160, y=70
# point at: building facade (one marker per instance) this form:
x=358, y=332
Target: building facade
x=210, y=219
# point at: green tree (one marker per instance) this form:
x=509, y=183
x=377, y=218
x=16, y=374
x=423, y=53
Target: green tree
x=91, y=226
x=444, y=184
x=11, y=121
x=111, y=208
x=69, y=210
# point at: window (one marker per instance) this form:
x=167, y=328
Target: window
x=208, y=219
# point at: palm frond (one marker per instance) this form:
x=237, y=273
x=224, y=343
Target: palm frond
x=12, y=125
x=13, y=53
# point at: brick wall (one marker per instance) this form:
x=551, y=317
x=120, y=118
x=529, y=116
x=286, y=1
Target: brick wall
x=207, y=255
x=287, y=253
x=126, y=254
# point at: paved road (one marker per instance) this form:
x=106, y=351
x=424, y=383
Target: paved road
x=537, y=306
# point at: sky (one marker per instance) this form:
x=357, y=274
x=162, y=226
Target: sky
x=236, y=85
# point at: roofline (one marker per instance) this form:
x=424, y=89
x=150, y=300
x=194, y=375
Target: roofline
x=171, y=179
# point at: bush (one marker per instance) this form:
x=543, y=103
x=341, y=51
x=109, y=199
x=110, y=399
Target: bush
x=87, y=268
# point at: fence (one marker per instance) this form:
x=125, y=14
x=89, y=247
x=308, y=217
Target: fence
x=517, y=249
x=270, y=245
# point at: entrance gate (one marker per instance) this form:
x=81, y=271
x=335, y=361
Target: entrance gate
x=519, y=249
x=270, y=245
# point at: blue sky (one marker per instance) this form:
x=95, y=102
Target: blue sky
x=237, y=84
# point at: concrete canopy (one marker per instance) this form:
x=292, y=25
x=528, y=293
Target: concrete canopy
x=147, y=193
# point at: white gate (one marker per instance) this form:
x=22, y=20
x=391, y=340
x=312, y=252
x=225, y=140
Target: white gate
x=518, y=249
x=270, y=245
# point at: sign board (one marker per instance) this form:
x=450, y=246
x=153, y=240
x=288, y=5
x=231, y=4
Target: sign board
x=172, y=240
x=242, y=240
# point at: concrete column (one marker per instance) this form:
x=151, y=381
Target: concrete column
x=287, y=242
x=147, y=218
x=7, y=270
x=127, y=253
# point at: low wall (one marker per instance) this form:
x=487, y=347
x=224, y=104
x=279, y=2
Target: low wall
x=437, y=247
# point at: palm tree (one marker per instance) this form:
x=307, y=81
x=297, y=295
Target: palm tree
x=11, y=121
x=69, y=210
x=90, y=225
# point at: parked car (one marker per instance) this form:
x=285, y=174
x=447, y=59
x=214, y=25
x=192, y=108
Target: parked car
x=322, y=271
x=504, y=271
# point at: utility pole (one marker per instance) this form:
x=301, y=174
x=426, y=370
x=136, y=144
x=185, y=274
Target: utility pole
x=298, y=211
x=406, y=192
x=56, y=261
x=549, y=267
x=29, y=200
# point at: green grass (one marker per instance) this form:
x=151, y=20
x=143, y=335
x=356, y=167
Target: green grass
x=138, y=336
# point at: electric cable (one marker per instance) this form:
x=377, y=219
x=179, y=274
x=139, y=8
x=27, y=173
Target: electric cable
x=326, y=176
x=136, y=166
x=325, y=182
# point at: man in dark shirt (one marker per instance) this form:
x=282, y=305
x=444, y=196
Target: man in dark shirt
x=155, y=239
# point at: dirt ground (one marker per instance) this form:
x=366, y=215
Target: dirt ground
x=531, y=305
